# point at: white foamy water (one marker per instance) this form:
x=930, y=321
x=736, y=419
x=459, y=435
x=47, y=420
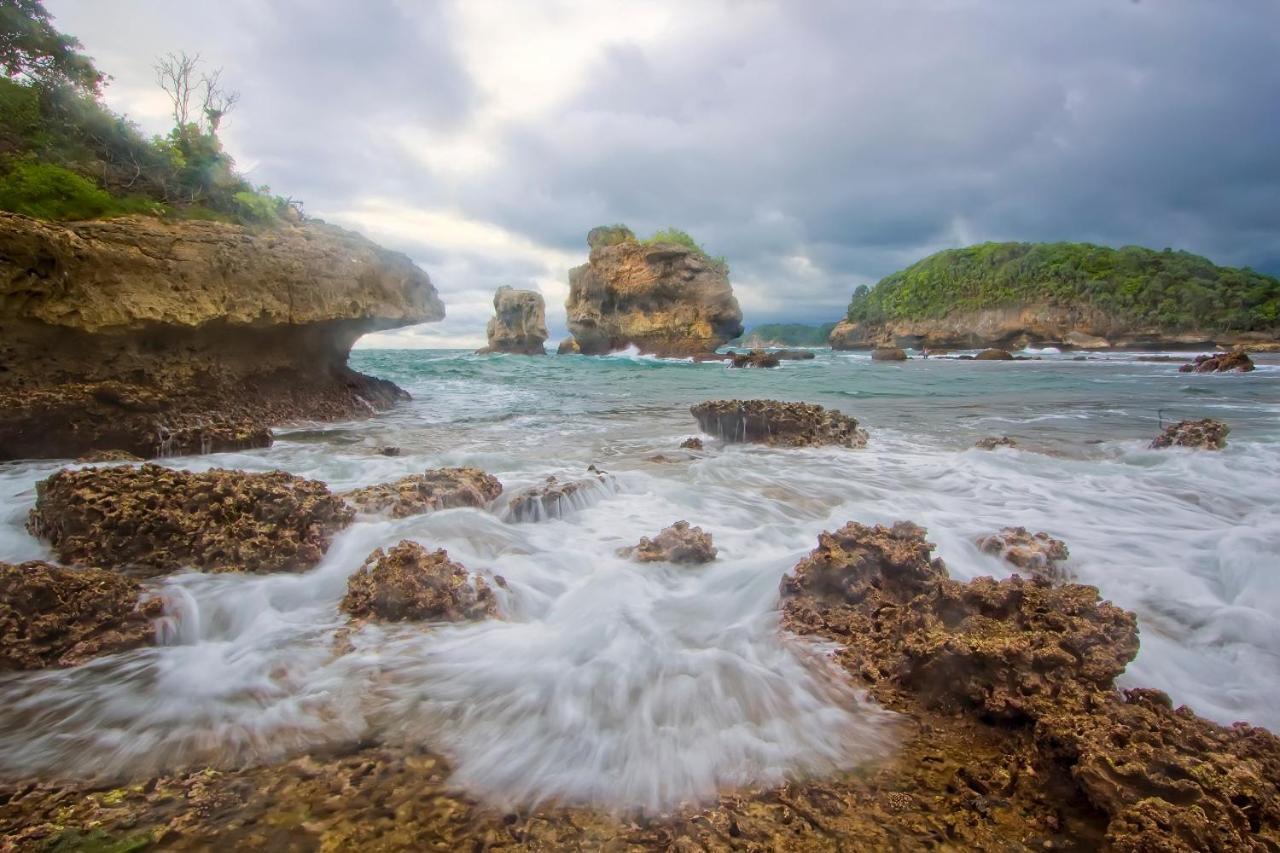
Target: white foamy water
x=641, y=686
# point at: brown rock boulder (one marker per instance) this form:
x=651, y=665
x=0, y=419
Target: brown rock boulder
x=1204, y=434
x=991, y=442
x=853, y=336
x=1224, y=362
x=410, y=583
x=753, y=358
x=1038, y=553
x=569, y=346
x=776, y=423
x=663, y=298
x=519, y=324
x=691, y=444
x=440, y=488
x=888, y=354
x=555, y=497
x=53, y=616
x=679, y=543
x=156, y=337
x=151, y=520
x=994, y=355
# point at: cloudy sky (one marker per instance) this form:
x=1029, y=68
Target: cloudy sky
x=818, y=145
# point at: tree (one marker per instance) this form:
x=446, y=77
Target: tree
x=176, y=75
x=31, y=48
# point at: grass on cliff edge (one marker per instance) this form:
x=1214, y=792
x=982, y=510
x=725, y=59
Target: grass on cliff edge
x=619, y=233
x=1167, y=290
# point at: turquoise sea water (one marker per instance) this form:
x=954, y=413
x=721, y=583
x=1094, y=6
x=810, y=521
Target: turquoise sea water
x=634, y=685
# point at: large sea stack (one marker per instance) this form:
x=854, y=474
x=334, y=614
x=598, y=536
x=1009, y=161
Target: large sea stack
x=158, y=337
x=519, y=323
x=663, y=298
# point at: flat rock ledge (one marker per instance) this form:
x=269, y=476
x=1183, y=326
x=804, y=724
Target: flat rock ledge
x=409, y=583
x=151, y=520
x=1204, y=434
x=1038, y=553
x=679, y=543
x=436, y=489
x=52, y=616
x=991, y=442
x=1010, y=685
x=777, y=423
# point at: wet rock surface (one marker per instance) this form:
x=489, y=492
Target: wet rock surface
x=754, y=358
x=994, y=355
x=1236, y=361
x=1038, y=553
x=693, y=443
x=409, y=583
x=52, y=616
x=556, y=497
x=519, y=324
x=679, y=543
x=108, y=456
x=151, y=520
x=888, y=354
x=439, y=488
x=777, y=423
x=991, y=442
x=1204, y=434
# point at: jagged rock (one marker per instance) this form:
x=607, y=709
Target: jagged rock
x=150, y=520
x=993, y=354
x=519, y=324
x=1204, y=434
x=555, y=497
x=991, y=442
x=851, y=336
x=157, y=336
x=1223, y=362
x=108, y=456
x=754, y=358
x=389, y=450
x=888, y=354
x=409, y=583
x=603, y=236
x=691, y=444
x=777, y=423
x=1038, y=553
x=663, y=298
x=53, y=616
x=440, y=488
x=569, y=346
x=678, y=543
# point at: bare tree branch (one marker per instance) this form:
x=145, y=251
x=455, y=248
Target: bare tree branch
x=175, y=75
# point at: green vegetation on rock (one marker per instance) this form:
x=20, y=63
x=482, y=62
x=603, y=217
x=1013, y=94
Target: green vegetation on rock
x=789, y=334
x=612, y=235
x=1168, y=290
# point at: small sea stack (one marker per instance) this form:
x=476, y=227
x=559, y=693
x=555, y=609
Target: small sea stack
x=519, y=324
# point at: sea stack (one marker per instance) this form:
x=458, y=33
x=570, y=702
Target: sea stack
x=664, y=298
x=519, y=323
x=162, y=337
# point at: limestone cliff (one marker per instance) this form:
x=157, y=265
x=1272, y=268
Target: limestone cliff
x=163, y=337
x=663, y=298
x=519, y=323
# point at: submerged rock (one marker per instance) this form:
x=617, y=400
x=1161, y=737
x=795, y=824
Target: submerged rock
x=889, y=354
x=1224, y=362
x=1038, y=553
x=108, y=456
x=54, y=616
x=994, y=355
x=776, y=423
x=1204, y=434
x=663, y=298
x=151, y=520
x=679, y=543
x=991, y=442
x=754, y=358
x=410, y=583
x=691, y=444
x=554, y=498
x=519, y=324
x=440, y=488
x=794, y=354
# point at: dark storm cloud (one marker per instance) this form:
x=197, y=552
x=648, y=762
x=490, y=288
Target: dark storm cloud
x=817, y=145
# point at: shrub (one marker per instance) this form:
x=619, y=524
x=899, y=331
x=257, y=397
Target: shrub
x=682, y=238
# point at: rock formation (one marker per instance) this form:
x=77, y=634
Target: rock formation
x=158, y=337
x=991, y=442
x=1204, y=434
x=1038, y=553
x=410, y=583
x=777, y=423
x=151, y=520
x=440, y=488
x=693, y=443
x=888, y=354
x=568, y=346
x=555, y=497
x=753, y=358
x=993, y=354
x=519, y=324
x=663, y=298
x=679, y=543
x=53, y=616
x=1223, y=362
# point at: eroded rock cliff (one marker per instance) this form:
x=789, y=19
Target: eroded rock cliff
x=662, y=298
x=519, y=323
x=158, y=337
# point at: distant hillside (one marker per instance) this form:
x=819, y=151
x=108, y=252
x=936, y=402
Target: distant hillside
x=1133, y=286
x=788, y=335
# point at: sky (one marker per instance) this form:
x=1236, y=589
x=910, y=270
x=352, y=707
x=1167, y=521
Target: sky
x=816, y=145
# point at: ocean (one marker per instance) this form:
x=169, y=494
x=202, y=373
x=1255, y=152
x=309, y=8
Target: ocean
x=629, y=685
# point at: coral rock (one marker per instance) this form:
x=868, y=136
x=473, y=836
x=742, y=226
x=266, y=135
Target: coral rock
x=108, y=456
x=991, y=442
x=1205, y=434
x=555, y=497
x=678, y=543
x=1225, y=362
x=1038, y=553
x=440, y=488
x=519, y=324
x=151, y=520
x=409, y=583
x=52, y=616
x=777, y=423
x=691, y=444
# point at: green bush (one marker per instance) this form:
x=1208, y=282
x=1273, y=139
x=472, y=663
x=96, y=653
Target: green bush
x=1167, y=290
x=46, y=191
x=682, y=238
